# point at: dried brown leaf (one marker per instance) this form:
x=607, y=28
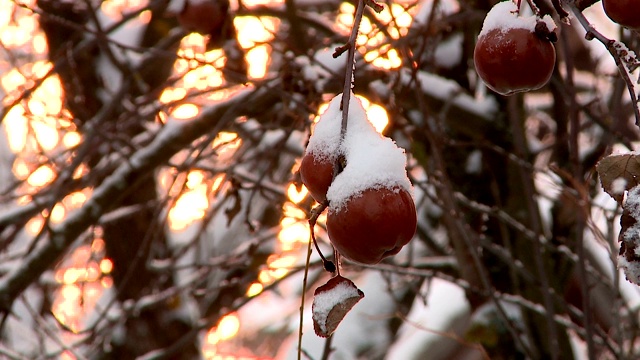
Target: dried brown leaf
x=331, y=303
x=619, y=173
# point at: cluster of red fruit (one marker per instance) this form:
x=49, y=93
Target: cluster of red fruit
x=371, y=211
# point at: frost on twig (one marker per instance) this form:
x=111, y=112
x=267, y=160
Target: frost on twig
x=331, y=303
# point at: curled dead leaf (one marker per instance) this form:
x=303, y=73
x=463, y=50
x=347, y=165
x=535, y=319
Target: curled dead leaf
x=619, y=173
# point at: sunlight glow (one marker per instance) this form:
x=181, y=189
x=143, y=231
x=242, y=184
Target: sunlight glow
x=41, y=123
x=185, y=112
x=36, y=124
x=115, y=8
x=81, y=278
x=226, y=143
x=18, y=32
x=41, y=176
x=226, y=329
x=376, y=114
x=253, y=35
x=189, y=207
x=373, y=43
x=297, y=196
x=255, y=289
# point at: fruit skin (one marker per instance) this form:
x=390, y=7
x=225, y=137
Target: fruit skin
x=514, y=60
x=373, y=225
x=316, y=174
x=623, y=12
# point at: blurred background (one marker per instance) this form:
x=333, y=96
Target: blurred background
x=150, y=204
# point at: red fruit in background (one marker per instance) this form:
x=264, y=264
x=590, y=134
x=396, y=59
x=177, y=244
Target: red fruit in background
x=317, y=173
x=623, y=12
x=208, y=17
x=514, y=60
x=373, y=225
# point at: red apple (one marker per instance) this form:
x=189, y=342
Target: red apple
x=317, y=173
x=373, y=225
x=514, y=60
x=623, y=12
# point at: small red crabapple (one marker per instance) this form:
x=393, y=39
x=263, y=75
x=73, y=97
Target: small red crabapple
x=623, y=12
x=513, y=53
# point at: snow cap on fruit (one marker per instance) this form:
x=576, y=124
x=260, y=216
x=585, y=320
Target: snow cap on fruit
x=504, y=16
x=372, y=160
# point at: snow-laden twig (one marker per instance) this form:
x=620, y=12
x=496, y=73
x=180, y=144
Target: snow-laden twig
x=621, y=60
x=171, y=139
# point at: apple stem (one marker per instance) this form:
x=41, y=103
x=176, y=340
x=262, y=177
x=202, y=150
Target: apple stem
x=328, y=265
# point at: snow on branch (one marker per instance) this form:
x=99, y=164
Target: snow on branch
x=171, y=139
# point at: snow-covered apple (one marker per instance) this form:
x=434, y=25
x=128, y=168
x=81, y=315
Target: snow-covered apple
x=373, y=225
x=623, y=12
x=371, y=210
x=514, y=53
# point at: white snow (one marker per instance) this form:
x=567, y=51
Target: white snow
x=432, y=324
x=364, y=329
x=175, y=6
x=504, y=16
x=619, y=185
x=312, y=72
x=631, y=237
x=473, y=165
x=631, y=269
x=448, y=91
x=372, y=160
x=325, y=301
x=449, y=52
x=443, y=8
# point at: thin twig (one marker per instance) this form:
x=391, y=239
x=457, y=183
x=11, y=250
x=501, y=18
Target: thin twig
x=351, y=58
x=610, y=45
x=327, y=348
x=302, y=296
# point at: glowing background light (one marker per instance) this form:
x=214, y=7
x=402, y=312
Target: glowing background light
x=40, y=123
